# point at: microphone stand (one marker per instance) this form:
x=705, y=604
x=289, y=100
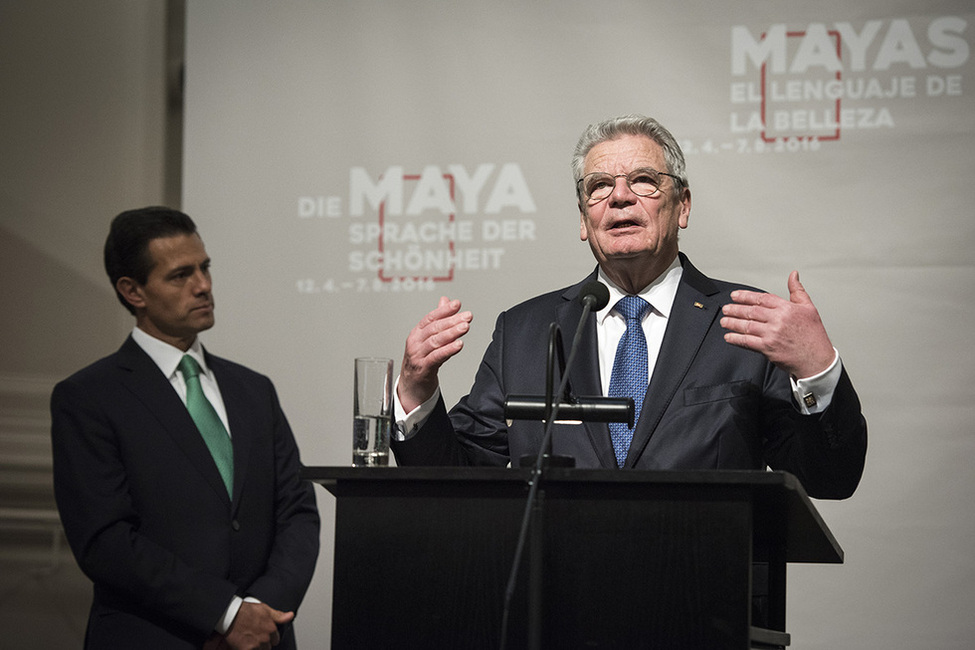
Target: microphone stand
x=552, y=405
x=534, y=506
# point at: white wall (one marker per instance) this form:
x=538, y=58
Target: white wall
x=82, y=137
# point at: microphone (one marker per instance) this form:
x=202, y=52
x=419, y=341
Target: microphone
x=562, y=406
x=575, y=411
x=595, y=294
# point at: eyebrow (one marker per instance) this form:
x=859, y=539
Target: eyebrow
x=205, y=264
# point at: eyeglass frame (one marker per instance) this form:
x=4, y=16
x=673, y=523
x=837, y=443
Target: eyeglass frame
x=589, y=200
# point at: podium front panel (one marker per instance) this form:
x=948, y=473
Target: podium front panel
x=630, y=559
x=647, y=573
x=425, y=570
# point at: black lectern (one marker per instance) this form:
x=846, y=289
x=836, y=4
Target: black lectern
x=630, y=559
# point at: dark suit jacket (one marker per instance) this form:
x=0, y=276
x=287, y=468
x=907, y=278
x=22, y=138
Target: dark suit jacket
x=709, y=404
x=148, y=517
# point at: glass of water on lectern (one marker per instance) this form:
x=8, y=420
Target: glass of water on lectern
x=372, y=411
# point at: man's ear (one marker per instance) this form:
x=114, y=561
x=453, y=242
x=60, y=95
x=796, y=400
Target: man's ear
x=131, y=291
x=685, y=211
x=583, y=231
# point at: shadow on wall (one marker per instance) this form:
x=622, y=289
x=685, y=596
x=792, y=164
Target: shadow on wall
x=53, y=322
x=44, y=596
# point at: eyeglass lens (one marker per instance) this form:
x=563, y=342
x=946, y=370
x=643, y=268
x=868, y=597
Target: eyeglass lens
x=599, y=185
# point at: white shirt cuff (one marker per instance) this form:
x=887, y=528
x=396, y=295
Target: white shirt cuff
x=407, y=424
x=223, y=625
x=814, y=394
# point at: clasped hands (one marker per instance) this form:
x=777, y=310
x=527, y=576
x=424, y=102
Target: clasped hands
x=254, y=628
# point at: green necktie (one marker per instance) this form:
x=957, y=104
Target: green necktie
x=208, y=422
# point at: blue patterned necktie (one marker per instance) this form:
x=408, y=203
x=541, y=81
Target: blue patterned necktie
x=629, y=377
x=208, y=422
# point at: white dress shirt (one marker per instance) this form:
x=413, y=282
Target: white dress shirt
x=167, y=357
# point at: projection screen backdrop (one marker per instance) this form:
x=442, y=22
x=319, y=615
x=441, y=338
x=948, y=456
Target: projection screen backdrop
x=350, y=162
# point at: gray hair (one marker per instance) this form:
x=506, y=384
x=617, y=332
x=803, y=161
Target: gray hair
x=616, y=127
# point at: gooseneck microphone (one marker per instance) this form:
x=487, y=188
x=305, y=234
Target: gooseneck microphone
x=595, y=294
x=593, y=297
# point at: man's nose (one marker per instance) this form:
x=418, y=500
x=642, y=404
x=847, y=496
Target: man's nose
x=622, y=194
x=202, y=281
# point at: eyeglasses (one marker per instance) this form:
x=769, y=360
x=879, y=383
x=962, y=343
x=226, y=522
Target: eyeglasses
x=644, y=181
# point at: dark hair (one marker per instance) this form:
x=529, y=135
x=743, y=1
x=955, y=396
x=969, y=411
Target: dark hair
x=127, y=245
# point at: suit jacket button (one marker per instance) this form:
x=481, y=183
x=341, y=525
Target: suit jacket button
x=235, y=525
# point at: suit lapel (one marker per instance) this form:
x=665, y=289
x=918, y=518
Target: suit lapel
x=694, y=311
x=584, y=373
x=142, y=377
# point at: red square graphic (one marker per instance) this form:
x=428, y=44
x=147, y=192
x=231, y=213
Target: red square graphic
x=382, y=244
x=803, y=120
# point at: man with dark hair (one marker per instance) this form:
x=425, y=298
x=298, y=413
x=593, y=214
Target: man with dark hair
x=722, y=376
x=175, y=471
x=127, y=245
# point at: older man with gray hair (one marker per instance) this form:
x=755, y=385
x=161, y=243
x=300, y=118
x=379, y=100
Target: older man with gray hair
x=723, y=376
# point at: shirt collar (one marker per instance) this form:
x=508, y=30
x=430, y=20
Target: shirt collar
x=167, y=356
x=660, y=293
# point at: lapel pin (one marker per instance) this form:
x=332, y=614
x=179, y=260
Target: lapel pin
x=699, y=305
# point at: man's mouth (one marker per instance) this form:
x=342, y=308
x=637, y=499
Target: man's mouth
x=626, y=223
